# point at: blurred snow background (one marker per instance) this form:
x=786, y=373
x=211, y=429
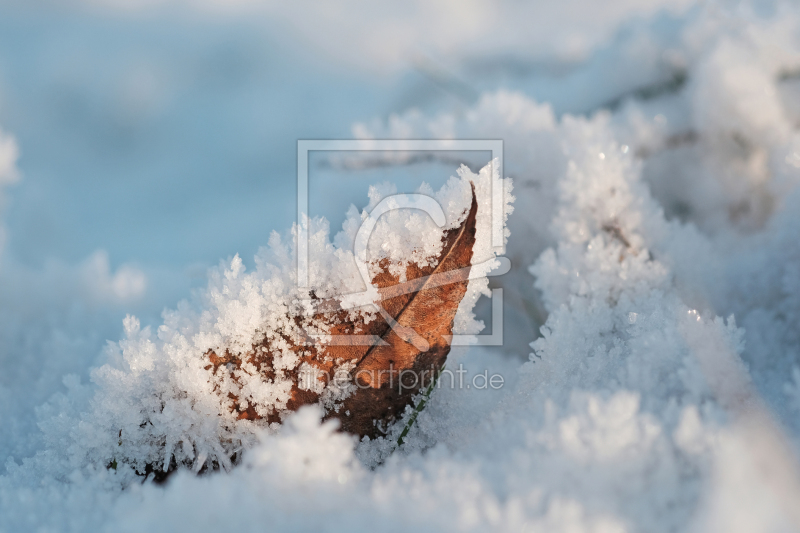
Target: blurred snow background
x=143, y=141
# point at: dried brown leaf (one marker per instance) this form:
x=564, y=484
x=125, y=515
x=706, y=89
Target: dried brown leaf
x=414, y=332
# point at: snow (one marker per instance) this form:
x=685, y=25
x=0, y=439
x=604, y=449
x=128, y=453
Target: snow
x=9, y=151
x=651, y=362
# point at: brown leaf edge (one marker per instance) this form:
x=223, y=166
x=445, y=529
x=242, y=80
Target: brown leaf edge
x=389, y=375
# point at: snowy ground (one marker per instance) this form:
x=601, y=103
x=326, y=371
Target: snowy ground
x=652, y=321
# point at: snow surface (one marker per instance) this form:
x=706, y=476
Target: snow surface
x=652, y=357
